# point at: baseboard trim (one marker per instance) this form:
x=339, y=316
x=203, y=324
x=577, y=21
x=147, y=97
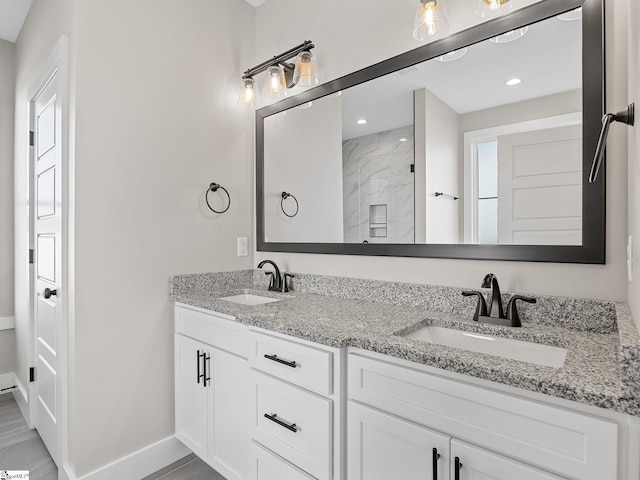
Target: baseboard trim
x=22, y=399
x=7, y=380
x=7, y=323
x=144, y=462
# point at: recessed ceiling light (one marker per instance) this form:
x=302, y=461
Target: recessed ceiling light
x=402, y=139
x=362, y=121
x=512, y=81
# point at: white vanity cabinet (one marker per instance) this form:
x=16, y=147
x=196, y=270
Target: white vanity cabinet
x=399, y=413
x=212, y=389
x=295, y=409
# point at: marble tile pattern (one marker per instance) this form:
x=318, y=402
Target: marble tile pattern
x=376, y=171
x=603, y=345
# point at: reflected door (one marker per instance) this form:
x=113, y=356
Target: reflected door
x=540, y=187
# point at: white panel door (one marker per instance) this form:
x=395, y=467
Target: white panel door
x=382, y=446
x=47, y=228
x=469, y=462
x=540, y=187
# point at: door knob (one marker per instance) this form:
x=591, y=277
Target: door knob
x=48, y=292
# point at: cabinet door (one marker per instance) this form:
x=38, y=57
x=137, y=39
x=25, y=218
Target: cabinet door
x=229, y=441
x=382, y=447
x=478, y=464
x=191, y=395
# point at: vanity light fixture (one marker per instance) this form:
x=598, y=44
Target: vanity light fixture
x=451, y=56
x=281, y=75
x=362, y=121
x=430, y=20
x=513, y=81
x=510, y=36
x=492, y=8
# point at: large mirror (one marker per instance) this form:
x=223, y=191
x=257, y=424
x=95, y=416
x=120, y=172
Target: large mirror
x=474, y=146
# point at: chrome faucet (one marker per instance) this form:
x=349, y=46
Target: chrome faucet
x=278, y=281
x=495, y=312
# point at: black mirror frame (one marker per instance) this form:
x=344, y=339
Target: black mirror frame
x=592, y=250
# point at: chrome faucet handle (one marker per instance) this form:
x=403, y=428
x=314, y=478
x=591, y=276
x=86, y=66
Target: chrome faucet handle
x=512, y=311
x=286, y=285
x=481, y=307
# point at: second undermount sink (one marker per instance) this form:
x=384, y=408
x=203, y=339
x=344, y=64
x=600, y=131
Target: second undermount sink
x=249, y=299
x=537, y=353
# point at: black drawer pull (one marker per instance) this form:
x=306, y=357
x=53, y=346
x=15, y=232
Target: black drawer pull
x=435, y=458
x=458, y=466
x=275, y=358
x=274, y=418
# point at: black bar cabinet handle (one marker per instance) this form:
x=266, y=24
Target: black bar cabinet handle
x=198, y=364
x=436, y=457
x=275, y=358
x=207, y=377
x=458, y=467
x=274, y=418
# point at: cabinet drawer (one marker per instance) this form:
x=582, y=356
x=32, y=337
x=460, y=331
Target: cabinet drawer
x=571, y=444
x=300, y=364
x=267, y=466
x=216, y=329
x=300, y=425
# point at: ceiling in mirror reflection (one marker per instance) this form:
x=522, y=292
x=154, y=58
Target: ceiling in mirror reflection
x=547, y=59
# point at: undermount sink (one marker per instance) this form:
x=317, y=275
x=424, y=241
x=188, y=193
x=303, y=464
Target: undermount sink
x=249, y=299
x=537, y=353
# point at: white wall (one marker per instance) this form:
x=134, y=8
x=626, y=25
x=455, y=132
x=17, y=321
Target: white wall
x=154, y=91
x=309, y=166
x=387, y=32
x=157, y=121
x=548, y=106
x=634, y=153
x=7, y=89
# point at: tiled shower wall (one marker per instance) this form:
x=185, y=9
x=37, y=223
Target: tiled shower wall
x=377, y=172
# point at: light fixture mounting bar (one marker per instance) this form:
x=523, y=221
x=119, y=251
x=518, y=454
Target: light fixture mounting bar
x=279, y=59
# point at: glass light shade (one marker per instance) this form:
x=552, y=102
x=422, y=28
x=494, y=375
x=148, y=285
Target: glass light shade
x=451, y=56
x=510, y=36
x=275, y=85
x=571, y=15
x=248, y=93
x=430, y=20
x=492, y=8
x=306, y=71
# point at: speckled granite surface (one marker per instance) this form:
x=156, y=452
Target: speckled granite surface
x=602, y=342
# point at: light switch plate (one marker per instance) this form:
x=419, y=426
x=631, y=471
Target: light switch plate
x=243, y=247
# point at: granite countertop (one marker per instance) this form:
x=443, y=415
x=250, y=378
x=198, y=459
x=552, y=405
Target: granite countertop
x=600, y=368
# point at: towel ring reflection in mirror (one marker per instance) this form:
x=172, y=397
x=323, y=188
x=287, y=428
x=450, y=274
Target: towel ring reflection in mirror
x=286, y=195
x=214, y=187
